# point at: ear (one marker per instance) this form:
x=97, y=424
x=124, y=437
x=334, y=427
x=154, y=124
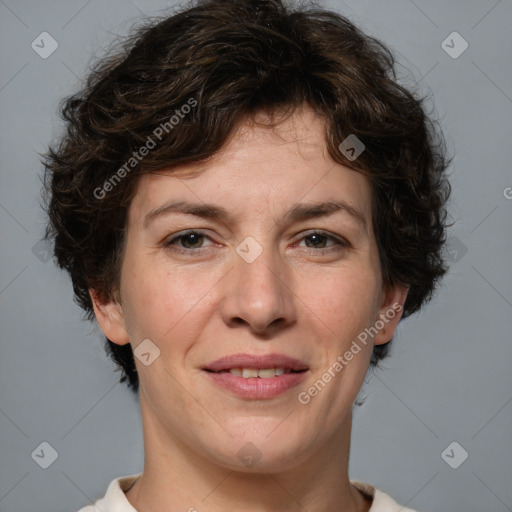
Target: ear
x=110, y=318
x=390, y=312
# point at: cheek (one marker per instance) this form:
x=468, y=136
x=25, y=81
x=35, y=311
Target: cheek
x=343, y=300
x=346, y=307
x=164, y=305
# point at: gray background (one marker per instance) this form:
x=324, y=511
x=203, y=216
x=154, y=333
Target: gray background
x=449, y=378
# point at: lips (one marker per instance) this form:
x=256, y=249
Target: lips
x=256, y=377
x=257, y=362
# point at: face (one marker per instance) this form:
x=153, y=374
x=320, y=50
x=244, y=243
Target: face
x=258, y=279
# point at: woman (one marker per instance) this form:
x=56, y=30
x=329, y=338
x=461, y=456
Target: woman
x=248, y=203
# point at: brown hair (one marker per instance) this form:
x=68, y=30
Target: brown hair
x=230, y=60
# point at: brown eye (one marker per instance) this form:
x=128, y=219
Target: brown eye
x=187, y=241
x=191, y=240
x=318, y=240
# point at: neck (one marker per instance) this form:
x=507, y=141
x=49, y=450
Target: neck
x=176, y=477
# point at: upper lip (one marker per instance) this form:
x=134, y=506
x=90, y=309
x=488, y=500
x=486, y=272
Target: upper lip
x=256, y=361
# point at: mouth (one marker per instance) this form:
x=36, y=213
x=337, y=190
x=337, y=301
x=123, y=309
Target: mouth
x=262, y=366
x=256, y=377
x=260, y=373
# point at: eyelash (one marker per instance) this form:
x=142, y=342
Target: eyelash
x=340, y=244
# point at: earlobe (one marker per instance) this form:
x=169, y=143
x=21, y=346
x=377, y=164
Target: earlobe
x=390, y=313
x=110, y=318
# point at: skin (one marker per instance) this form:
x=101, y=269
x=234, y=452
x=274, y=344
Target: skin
x=304, y=300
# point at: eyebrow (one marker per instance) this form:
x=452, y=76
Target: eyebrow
x=299, y=212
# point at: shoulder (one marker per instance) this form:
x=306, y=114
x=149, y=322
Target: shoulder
x=382, y=502
x=114, y=499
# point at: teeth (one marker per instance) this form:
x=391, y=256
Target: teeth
x=264, y=373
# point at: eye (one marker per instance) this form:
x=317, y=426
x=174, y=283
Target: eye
x=187, y=242
x=318, y=240
x=191, y=241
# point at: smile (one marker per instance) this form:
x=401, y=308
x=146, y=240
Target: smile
x=262, y=373
x=256, y=377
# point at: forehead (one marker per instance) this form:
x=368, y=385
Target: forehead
x=260, y=168
x=302, y=131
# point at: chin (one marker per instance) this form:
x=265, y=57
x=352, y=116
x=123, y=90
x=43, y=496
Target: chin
x=254, y=450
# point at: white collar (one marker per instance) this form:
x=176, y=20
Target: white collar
x=115, y=499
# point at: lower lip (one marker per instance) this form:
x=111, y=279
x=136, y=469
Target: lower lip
x=256, y=388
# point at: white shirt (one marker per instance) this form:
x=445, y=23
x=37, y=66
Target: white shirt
x=115, y=500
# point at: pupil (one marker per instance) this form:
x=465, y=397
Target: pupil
x=318, y=239
x=187, y=238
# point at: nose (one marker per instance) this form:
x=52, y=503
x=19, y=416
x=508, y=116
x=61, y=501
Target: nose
x=259, y=295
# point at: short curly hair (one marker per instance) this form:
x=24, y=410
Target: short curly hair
x=233, y=59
